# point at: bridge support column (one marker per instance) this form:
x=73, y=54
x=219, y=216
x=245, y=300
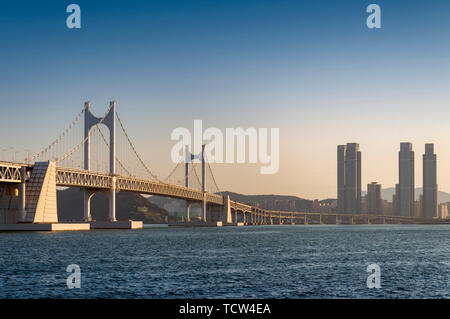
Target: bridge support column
x=187, y=214
x=22, y=195
x=112, y=201
x=87, y=204
x=226, y=214
x=204, y=207
x=109, y=120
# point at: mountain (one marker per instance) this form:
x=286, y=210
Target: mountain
x=274, y=202
x=128, y=206
x=387, y=193
x=176, y=207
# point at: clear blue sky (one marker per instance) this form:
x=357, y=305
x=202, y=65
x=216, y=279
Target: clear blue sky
x=311, y=68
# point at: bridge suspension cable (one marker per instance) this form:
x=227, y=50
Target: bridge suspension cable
x=67, y=151
x=172, y=173
x=77, y=147
x=56, y=141
x=214, y=179
x=134, y=149
x=109, y=147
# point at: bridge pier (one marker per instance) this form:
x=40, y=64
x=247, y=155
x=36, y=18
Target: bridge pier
x=204, y=208
x=226, y=212
x=87, y=204
x=22, y=195
x=110, y=122
x=112, y=201
x=187, y=212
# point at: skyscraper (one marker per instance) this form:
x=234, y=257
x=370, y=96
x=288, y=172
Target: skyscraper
x=396, y=201
x=341, y=178
x=374, y=198
x=406, y=180
x=349, y=178
x=429, y=204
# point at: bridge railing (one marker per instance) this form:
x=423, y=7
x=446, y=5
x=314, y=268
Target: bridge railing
x=82, y=178
x=11, y=172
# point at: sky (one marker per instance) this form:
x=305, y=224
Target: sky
x=310, y=68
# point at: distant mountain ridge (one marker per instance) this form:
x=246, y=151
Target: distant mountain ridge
x=274, y=202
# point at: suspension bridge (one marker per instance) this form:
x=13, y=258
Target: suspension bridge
x=97, y=155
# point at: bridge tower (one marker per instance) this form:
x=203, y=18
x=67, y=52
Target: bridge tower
x=110, y=122
x=189, y=157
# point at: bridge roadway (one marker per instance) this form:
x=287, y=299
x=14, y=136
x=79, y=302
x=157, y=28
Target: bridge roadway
x=12, y=173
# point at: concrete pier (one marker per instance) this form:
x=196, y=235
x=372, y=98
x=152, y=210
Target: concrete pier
x=120, y=224
x=208, y=224
x=196, y=224
x=45, y=227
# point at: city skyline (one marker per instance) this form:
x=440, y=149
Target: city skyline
x=403, y=201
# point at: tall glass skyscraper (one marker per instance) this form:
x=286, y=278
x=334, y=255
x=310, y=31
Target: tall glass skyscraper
x=406, y=180
x=341, y=178
x=349, y=178
x=430, y=188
